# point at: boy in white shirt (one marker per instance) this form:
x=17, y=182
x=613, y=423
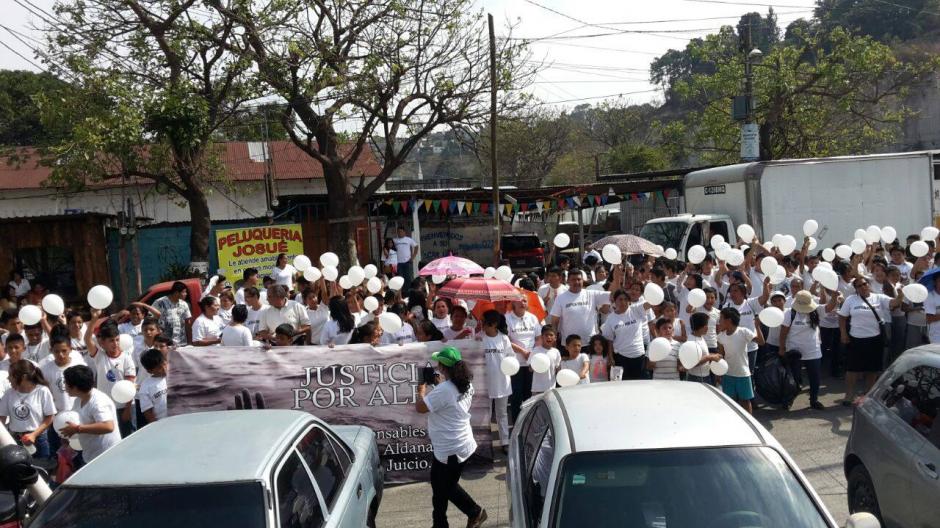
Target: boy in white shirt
x=544, y=381
x=669, y=367
x=733, y=341
x=37, y=346
x=111, y=366
x=152, y=392
x=53, y=370
x=699, y=325
x=97, y=429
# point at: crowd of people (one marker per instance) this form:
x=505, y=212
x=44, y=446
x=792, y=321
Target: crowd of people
x=591, y=321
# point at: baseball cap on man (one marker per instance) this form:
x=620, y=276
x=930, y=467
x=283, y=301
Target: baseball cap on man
x=447, y=356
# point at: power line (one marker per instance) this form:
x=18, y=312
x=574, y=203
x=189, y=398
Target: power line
x=20, y=55
x=752, y=4
x=597, y=97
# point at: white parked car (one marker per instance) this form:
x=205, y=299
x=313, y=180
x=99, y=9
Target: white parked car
x=646, y=454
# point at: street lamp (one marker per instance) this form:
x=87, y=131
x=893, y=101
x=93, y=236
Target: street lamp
x=750, y=131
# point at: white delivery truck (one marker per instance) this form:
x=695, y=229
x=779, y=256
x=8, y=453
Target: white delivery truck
x=842, y=194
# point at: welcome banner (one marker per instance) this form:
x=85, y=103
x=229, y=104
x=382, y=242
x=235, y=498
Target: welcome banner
x=345, y=385
x=256, y=247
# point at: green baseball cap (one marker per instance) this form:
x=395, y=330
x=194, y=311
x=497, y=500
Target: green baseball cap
x=447, y=356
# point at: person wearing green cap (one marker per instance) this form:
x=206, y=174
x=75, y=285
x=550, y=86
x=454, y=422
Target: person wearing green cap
x=448, y=408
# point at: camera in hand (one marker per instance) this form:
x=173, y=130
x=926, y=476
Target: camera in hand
x=429, y=375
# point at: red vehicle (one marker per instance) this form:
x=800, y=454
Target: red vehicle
x=524, y=251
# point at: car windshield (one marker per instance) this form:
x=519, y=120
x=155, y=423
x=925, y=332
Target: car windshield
x=666, y=234
x=683, y=488
x=237, y=505
x=520, y=243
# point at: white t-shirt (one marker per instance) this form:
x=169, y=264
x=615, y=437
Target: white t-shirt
x=450, y=334
x=403, y=248
x=27, y=411
x=523, y=331
x=284, y=277
x=112, y=370
x=99, y=409
x=544, y=381
x=38, y=352
x=546, y=290
x=931, y=306
x=21, y=289
x=331, y=334
x=735, y=346
x=441, y=324
x=905, y=269
x=578, y=312
x=577, y=364
x=54, y=375
x=225, y=314
x=626, y=331
x=253, y=321
x=802, y=336
x=292, y=313
x=130, y=328
x=403, y=336
x=236, y=335
x=711, y=337
x=318, y=319
x=495, y=349
x=262, y=295
x=391, y=259
x=748, y=310
x=863, y=321
x=703, y=370
x=449, y=422
x=152, y=395
x=205, y=328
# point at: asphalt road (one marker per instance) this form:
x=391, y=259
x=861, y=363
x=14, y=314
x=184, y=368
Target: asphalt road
x=814, y=439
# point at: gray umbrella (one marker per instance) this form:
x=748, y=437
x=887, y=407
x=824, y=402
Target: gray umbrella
x=629, y=245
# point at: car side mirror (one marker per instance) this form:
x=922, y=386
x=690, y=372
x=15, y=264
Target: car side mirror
x=862, y=520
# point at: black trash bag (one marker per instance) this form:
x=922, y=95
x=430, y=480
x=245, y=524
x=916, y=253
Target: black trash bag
x=774, y=380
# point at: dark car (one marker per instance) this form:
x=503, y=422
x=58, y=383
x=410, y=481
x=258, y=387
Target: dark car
x=524, y=251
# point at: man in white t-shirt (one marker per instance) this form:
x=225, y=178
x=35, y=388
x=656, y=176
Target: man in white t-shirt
x=250, y=279
x=97, y=429
x=255, y=310
x=575, y=312
x=932, y=310
x=405, y=249
x=898, y=261
x=283, y=311
x=552, y=286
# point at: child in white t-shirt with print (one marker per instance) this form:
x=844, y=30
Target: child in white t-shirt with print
x=111, y=366
x=152, y=392
x=733, y=341
x=29, y=407
x=667, y=368
x=545, y=381
x=573, y=359
x=497, y=347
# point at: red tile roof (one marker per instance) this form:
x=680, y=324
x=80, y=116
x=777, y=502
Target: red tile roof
x=288, y=162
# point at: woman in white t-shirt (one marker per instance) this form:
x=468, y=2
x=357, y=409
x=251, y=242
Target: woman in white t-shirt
x=207, y=328
x=448, y=408
x=29, y=407
x=524, y=328
x=339, y=328
x=236, y=333
x=317, y=311
x=800, y=332
x=389, y=258
x=19, y=284
x=282, y=272
x=440, y=313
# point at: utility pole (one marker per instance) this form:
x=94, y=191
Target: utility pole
x=750, y=131
x=495, y=175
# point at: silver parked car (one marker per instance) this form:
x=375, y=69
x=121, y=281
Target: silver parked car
x=651, y=454
x=228, y=469
x=892, y=458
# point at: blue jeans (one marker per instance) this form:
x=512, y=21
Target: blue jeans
x=813, y=372
x=41, y=444
x=405, y=272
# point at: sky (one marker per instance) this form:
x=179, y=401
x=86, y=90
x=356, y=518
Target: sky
x=579, y=66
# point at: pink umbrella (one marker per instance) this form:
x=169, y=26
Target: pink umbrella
x=452, y=266
x=480, y=289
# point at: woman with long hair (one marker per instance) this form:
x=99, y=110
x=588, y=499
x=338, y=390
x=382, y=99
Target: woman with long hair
x=448, y=408
x=800, y=333
x=338, y=329
x=282, y=272
x=389, y=258
x=29, y=406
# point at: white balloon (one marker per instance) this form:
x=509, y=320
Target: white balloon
x=812, y=244
x=776, y=239
x=356, y=275
x=718, y=368
x=659, y=349
x=929, y=233
x=390, y=322
x=746, y=232
x=722, y=249
x=345, y=283
x=611, y=254
x=873, y=234
x=75, y=444
x=371, y=304
x=437, y=279
x=824, y=265
x=374, y=285
x=888, y=234
x=540, y=363
x=312, y=274
x=302, y=263
x=787, y=244
x=696, y=298
x=919, y=248
x=653, y=294
x=396, y=283
x=696, y=254
x=503, y=273
x=768, y=245
x=562, y=240
x=489, y=272
x=771, y=316
x=768, y=265
x=690, y=354
x=330, y=273
x=819, y=271
x=660, y=249
x=735, y=257
x=671, y=254
x=329, y=259
x=810, y=227
x=100, y=297
x=370, y=271
x=779, y=275
x=716, y=240
x=844, y=252
x=830, y=280
x=30, y=314
x=859, y=233
x=828, y=254
x=916, y=293
x=126, y=342
x=63, y=418
x=567, y=378
x=123, y=391
x=509, y=366
x=53, y=304
x=858, y=246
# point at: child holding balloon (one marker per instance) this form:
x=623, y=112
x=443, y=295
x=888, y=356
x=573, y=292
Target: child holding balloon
x=545, y=380
x=496, y=348
x=29, y=407
x=666, y=368
x=111, y=366
x=733, y=343
x=574, y=360
x=699, y=324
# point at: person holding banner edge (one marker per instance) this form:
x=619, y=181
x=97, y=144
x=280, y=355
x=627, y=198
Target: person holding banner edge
x=448, y=408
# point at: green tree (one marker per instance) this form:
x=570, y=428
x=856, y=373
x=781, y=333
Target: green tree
x=20, y=118
x=628, y=158
x=881, y=20
x=397, y=69
x=259, y=123
x=528, y=146
x=152, y=89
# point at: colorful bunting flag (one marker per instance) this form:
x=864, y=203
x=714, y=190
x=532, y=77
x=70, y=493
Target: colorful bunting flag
x=508, y=208
x=436, y=204
x=485, y=208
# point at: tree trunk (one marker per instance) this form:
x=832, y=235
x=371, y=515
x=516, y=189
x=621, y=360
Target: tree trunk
x=341, y=234
x=200, y=228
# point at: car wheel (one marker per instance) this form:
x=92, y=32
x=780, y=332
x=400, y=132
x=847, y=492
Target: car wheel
x=862, y=497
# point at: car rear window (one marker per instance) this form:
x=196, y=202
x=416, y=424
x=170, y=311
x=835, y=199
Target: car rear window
x=520, y=243
x=237, y=505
